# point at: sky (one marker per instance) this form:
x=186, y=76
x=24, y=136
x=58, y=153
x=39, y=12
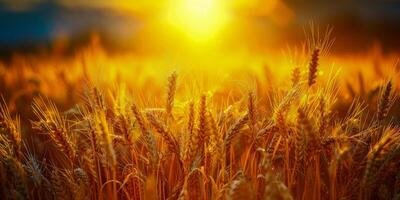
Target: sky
x=155, y=25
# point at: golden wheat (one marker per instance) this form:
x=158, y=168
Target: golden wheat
x=295, y=141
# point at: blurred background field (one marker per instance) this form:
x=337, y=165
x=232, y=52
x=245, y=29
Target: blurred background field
x=41, y=40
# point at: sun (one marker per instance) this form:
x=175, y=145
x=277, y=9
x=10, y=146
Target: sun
x=199, y=19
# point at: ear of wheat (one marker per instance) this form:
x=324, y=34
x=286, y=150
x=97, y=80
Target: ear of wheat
x=51, y=122
x=376, y=156
x=313, y=67
x=240, y=188
x=165, y=134
x=251, y=110
x=171, y=93
x=296, y=75
x=234, y=130
x=384, y=102
x=12, y=128
x=193, y=139
x=194, y=186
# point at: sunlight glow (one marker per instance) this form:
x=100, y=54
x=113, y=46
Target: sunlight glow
x=198, y=19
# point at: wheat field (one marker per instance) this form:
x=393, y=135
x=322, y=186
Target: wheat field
x=308, y=135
